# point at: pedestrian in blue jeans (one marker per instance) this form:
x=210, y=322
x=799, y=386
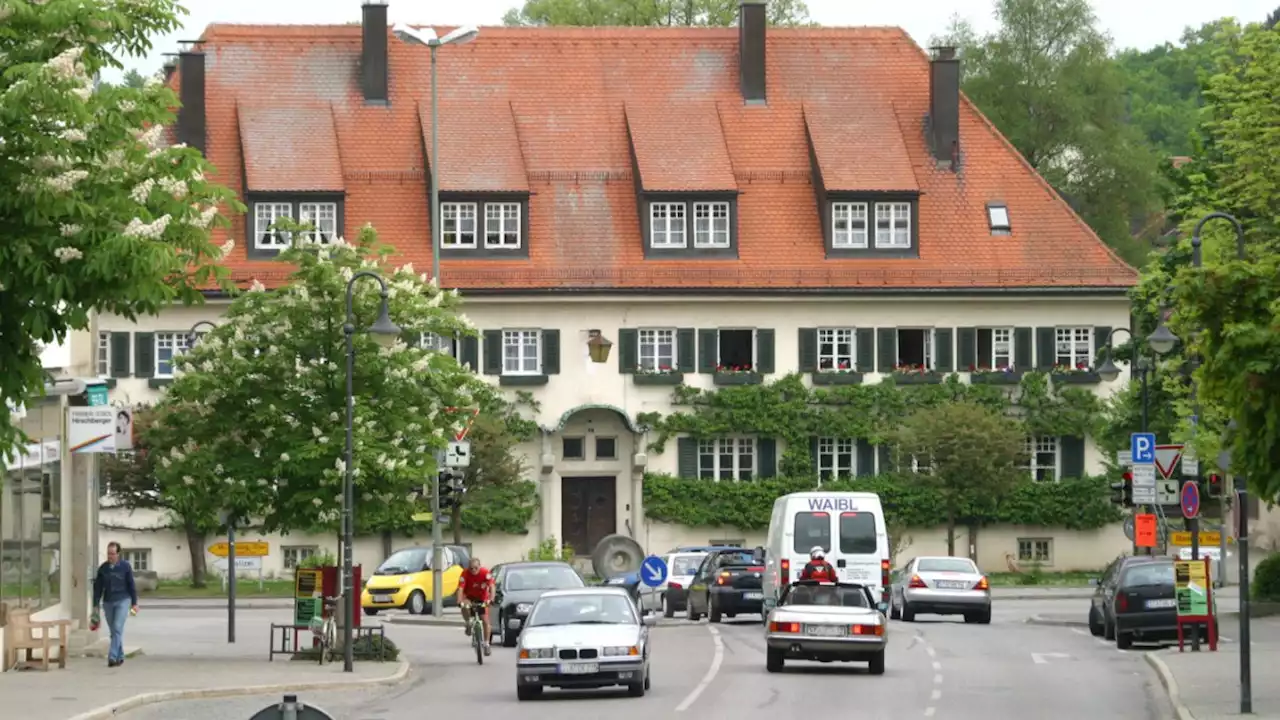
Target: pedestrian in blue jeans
x=115, y=592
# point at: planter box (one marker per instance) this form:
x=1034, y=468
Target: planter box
x=522, y=380
x=995, y=377
x=738, y=378
x=1077, y=378
x=674, y=378
x=837, y=378
x=927, y=378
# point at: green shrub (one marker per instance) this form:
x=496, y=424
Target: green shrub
x=368, y=647
x=1266, y=579
x=318, y=560
x=546, y=552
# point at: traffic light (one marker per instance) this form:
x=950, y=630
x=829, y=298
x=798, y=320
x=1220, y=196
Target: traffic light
x=1213, y=485
x=451, y=489
x=1122, y=492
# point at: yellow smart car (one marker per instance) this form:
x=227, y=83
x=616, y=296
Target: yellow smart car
x=404, y=580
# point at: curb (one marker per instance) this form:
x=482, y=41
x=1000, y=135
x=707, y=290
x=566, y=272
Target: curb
x=1170, y=686
x=1050, y=622
x=427, y=621
x=1072, y=595
x=137, y=701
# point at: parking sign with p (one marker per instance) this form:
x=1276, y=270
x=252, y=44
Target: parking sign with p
x=1142, y=448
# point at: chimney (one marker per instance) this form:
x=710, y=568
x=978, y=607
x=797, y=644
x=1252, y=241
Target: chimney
x=373, y=53
x=944, y=106
x=191, y=127
x=751, y=36
x=170, y=68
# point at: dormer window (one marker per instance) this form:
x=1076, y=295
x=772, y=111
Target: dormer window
x=458, y=221
x=702, y=225
x=502, y=225
x=711, y=224
x=475, y=225
x=322, y=217
x=870, y=224
x=322, y=212
x=893, y=225
x=266, y=214
x=666, y=225
x=998, y=219
x=849, y=225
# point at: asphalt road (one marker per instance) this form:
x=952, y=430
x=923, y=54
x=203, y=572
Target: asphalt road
x=936, y=667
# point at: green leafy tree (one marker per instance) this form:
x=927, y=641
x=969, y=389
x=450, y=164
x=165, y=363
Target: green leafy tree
x=263, y=396
x=99, y=212
x=969, y=456
x=499, y=493
x=667, y=13
x=1045, y=78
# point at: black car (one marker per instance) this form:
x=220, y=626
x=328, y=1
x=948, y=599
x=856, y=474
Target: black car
x=1135, y=601
x=727, y=583
x=519, y=585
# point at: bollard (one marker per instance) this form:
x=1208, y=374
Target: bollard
x=291, y=709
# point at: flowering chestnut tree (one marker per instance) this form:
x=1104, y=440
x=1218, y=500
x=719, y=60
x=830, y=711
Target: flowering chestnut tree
x=99, y=212
x=260, y=401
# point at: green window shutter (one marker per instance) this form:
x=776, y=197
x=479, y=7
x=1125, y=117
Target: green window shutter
x=967, y=349
x=1072, y=456
x=884, y=454
x=550, y=352
x=865, y=339
x=866, y=463
x=628, y=350
x=764, y=351
x=144, y=354
x=1100, y=334
x=1022, y=348
x=767, y=449
x=886, y=349
x=412, y=338
x=687, y=457
x=708, y=350
x=944, y=350
x=469, y=352
x=687, y=348
x=808, y=350
x=492, y=352
x=1046, y=348
x=120, y=354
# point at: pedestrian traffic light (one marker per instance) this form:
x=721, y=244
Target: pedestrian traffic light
x=451, y=489
x=1213, y=485
x=1122, y=492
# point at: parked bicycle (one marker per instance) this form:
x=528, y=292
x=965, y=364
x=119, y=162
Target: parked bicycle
x=326, y=628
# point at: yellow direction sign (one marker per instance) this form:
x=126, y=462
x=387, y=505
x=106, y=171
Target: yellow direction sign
x=1182, y=538
x=422, y=517
x=243, y=549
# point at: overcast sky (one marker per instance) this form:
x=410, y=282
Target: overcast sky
x=1131, y=23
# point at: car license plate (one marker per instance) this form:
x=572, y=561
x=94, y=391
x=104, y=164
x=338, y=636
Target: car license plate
x=753, y=596
x=952, y=585
x=382, y=598
x=1161, y=604
x=826, y=630
x=579, y=668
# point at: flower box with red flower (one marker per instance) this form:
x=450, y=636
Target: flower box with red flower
x=1080, y=374
x=737, y=375
x=843, y=374
x=994, y=376
x=915, y=375
x=662, y=375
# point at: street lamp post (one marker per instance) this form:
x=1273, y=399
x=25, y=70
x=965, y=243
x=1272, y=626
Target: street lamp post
x=384, y=332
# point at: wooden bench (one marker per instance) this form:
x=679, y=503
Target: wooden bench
x=21, y=634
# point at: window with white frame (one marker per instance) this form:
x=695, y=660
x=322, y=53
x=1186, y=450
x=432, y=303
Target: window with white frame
x=657, y=349
x=835, y=349
x=168, y=346
x=502, y=225
x=1074, y=347
x=893, y=225
x=666, y=225
x=921, y=466
x=737, y=349
x=1035, y=550
x=521, y=352
x=711, y=225
x=1042, y=458
x=104, y=354
x=323, y=217
x=995, y=348
x=848, y=225
x=915, y=348
x=438, y=343
x=727, y=458
x=138, y=558
x=837, y=458
x=266, y=214
x=458, y=225
x=298, y=554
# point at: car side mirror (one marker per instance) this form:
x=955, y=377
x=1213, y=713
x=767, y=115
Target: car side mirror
x=757, y=555
x=650, y=620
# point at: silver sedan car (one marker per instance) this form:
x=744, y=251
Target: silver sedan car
x=590, y=637
x=826, y=622
x=941, y=586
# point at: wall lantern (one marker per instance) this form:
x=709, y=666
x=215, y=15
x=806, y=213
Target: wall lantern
x=598, y=346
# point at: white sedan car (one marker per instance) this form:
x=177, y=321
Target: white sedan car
x=590, y=637
x=826, y=622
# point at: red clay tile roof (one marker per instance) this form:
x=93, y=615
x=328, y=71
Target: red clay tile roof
x=859, y=146
x=290, y=148
x=570, y=93
x=679, y=147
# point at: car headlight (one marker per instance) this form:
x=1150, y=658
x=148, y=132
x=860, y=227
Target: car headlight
x=524, y=608
x=621, y=650
x=536, y=653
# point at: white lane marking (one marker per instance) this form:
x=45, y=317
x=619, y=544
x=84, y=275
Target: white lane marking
x=937, y=679
x=929, y=711
x=929, y=649
x=1078, y=631
x=937, y=694
x=712, y=671
x=937, y=665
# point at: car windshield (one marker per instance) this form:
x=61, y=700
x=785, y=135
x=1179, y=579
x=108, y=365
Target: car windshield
x=1149, y=574
x=542, y=578
x=601, y=609
x=735, y=558
x=957, y=565
x=826, y=595
x=403, y=562
x=686, y=564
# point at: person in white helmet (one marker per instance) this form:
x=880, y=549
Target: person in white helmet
x=818, y=568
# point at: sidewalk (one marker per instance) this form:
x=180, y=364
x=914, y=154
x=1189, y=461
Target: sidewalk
x=89, y=690
x=1206, y=685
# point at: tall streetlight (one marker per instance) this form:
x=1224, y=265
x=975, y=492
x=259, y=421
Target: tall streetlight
x=384, y=332
x=427, y=36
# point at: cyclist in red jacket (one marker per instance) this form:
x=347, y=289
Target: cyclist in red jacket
x=818, y=568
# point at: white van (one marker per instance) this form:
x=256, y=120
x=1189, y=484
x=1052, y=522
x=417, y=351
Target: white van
x=848, y=525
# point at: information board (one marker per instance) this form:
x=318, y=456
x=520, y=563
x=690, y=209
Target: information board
x=306, y=592
x=1191, y=583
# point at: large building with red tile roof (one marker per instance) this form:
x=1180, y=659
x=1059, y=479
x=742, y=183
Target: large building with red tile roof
x=815, y=200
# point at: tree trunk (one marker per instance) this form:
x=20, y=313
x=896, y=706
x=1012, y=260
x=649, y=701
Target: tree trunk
x=195, y=544
x=386, y=544
x=951, y=532
x=455, y=523
x=973, y=542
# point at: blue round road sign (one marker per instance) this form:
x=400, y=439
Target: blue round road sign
x=1190, y=499
x=653, y=571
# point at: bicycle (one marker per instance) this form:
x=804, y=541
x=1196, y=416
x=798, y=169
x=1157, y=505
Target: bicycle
x=326, y=628
x=477, y=629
